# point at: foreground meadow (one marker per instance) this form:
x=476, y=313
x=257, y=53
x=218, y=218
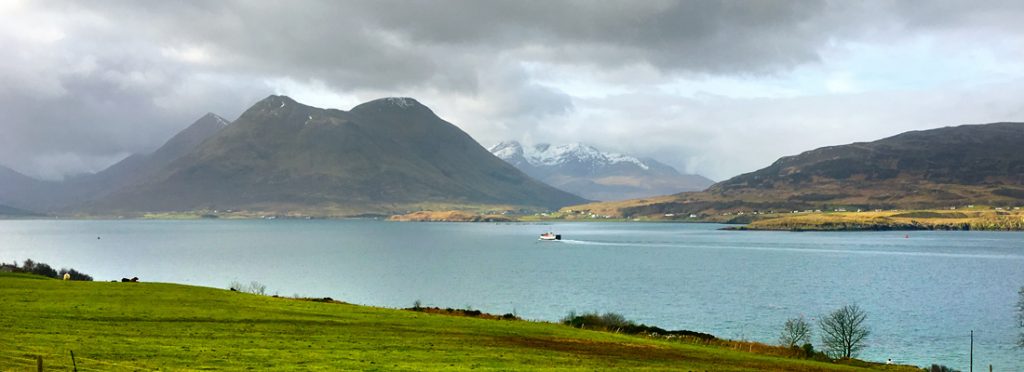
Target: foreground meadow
x=158, y=326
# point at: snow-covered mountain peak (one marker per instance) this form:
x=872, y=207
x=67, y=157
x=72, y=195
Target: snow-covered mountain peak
x=550, y=155
x=507, y=150
x=215, y=119
x=594, y=174
x=402, y=102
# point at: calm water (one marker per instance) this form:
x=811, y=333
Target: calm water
x=923, y=294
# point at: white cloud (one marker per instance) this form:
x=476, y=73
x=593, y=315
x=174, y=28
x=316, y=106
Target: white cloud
x=57, y=166
x=188, y=53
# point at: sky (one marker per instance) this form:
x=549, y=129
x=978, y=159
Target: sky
x=714, y=88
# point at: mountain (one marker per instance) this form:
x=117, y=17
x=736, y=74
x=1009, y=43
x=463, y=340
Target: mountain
x=20, y=191
x=593, y=174
x=25, y=192
x=937, y=168
x=963, y=155
x=383, y=156
x=138, y=167
x=11, y=212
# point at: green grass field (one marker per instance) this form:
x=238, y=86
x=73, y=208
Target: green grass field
x=157, y=326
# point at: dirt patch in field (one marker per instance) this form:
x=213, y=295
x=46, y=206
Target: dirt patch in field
x=649, y=353
x=597, y=348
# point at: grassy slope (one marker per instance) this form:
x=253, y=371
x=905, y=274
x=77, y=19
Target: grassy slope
x=895, y=220
x=979, y=218
x=450, y=216
x=144, y=326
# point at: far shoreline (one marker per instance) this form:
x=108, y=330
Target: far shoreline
x=978, y=219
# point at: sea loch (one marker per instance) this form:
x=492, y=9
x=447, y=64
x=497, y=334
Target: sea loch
x=924, y=292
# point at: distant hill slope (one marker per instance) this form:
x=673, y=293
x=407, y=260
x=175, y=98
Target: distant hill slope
x=593, y=174
x=20, y=191
x=139, y=167
x=938, y=168
x=24, y=192
x=385, y=156
x=9, y=212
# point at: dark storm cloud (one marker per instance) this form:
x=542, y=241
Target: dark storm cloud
x=91, y=81
x=386, y=44
x=77, y=104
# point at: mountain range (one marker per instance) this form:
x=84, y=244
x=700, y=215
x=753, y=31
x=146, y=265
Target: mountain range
x=586, y=171
x=937, y=168
x=280, y=156
x=394, y=155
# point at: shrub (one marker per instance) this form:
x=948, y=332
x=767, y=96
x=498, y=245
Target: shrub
x=608, y=321
x=75, y=274
x=808, y=350
x=39, y=268
x=613, y=322
x=940, y=368
x=44, y=270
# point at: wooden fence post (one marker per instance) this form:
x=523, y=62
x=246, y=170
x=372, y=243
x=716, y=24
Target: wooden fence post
x=39, y=363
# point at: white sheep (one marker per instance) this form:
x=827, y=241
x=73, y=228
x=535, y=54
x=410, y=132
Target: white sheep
x=67, y=276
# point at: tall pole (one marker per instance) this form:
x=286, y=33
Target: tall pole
x=972, y=350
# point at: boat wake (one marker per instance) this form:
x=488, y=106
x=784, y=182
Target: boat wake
x=592, y=242
x=869, y=252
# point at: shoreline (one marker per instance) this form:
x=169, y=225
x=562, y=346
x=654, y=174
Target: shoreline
x=894, y=220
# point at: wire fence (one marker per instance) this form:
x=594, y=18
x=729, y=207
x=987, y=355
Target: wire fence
x=30, y=361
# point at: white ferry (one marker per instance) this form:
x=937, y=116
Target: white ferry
x=550, y=236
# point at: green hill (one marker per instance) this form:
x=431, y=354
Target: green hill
x=929, y=169
x=149, y=326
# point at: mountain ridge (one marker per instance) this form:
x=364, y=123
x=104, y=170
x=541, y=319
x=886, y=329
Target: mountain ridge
x=926, y=169
x=595, y=174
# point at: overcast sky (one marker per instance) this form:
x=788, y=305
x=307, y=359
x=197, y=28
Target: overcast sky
x=716, y=88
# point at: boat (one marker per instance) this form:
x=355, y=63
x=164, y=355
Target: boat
x=550, y=236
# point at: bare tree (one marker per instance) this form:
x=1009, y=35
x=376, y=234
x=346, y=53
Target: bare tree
x=843, y=331
x=253, y=287
x=257, y=288
x=795, y=332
